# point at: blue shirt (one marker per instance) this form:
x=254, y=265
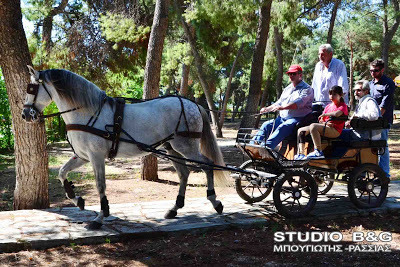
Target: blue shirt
x=302, y=95
x=383, y=91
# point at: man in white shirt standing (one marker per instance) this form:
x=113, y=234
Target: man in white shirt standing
x=328, y=72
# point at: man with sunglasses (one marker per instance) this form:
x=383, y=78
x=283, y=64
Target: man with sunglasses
x=382, y=90
x=293, y=105
x=366, y=109
x=329, y=72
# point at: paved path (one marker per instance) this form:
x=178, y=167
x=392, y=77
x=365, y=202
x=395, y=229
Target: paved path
x=63, y=226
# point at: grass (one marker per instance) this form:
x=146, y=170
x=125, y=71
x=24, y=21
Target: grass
x=54, y=160
x=6, y=160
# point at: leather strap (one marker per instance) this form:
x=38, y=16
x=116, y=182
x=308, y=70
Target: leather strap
x=118, y=117
x=187, y=133
x=88, y=129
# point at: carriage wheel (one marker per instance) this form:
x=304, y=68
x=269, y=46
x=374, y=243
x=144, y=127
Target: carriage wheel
x=367, y=186
x=253, y=189
x=324, y=185
x=295, y=194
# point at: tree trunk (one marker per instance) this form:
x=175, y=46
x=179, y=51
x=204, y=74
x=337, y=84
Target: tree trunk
x=228, y=92
x=48, y=22
x=279, y=60
x=332, y=21
x=264, y=98
x=185, y=80
x=152, y=74
x=31, y=159
x=257, y=64
x=198, y=63
x=389, y=32
x=351, y=95
x=239, y=99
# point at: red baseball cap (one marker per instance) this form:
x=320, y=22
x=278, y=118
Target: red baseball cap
x=294, y=68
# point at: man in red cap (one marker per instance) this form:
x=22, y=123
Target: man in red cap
x=293, y=105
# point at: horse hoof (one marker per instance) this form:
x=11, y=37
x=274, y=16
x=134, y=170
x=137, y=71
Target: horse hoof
x=95, y=225
x=81, y=203
x=170, y=214
x=219, y=208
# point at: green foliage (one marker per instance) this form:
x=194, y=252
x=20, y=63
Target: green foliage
x=125, y=84
x=55, y=126
x=230, y=15
x=6, y=135
x=118, y=28
x=106, y=42
x=174, y=55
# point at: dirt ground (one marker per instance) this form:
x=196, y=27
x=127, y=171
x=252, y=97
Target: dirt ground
x=228, y=247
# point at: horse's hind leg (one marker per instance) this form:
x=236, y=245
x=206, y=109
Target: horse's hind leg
x=183, y=173
x=190, y=151
x=210, y=182
x=210, y=185
x=73, y=163
x=99, y=172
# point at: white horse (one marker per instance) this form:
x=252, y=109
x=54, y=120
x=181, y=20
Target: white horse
x=149, y=122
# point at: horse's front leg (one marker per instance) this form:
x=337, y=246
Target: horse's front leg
x=99, y=172
x=73, y=163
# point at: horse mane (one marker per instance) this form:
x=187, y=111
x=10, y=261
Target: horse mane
x=74, y=89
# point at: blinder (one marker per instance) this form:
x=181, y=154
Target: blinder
x=32, y=89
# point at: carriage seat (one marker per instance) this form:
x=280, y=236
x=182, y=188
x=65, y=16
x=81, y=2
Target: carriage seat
x=312, y=117
x=359, y=144
x=359, y=124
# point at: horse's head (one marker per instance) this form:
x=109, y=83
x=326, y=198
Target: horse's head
x=37, y=97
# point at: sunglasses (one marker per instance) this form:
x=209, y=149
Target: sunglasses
x=292, y=73
x=375, y=70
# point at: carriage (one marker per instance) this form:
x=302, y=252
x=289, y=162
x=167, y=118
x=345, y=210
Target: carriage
x=96, y=124
x=296, y=184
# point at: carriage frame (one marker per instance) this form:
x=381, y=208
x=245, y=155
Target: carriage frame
x=296, y=184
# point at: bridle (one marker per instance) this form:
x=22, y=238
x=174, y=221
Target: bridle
x=33, y=89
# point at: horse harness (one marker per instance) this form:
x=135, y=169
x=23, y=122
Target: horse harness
x=113, y=135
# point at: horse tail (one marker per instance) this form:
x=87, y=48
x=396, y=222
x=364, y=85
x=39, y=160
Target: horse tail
x=209, y=148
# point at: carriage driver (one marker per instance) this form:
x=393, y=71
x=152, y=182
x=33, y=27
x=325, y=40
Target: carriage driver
x=293, y=105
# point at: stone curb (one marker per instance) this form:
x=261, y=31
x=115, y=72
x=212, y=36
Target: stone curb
x=40, y=229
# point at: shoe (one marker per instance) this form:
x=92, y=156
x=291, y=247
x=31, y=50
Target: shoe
x=317, y=154
x=299, y=157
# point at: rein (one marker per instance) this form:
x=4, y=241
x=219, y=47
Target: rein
x=58, y=113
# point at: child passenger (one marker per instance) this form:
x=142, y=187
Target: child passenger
x=330, y=129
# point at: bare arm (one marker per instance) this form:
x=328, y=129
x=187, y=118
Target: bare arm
x=336, y=113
